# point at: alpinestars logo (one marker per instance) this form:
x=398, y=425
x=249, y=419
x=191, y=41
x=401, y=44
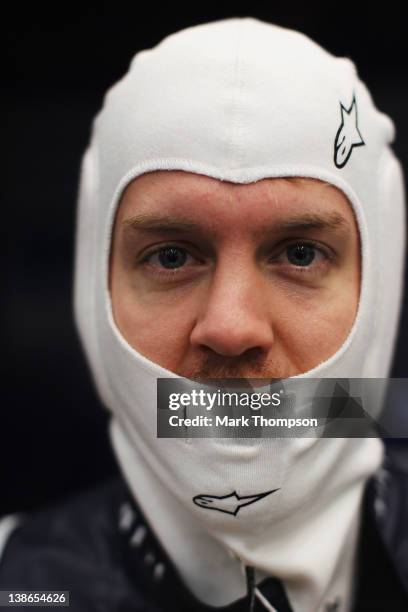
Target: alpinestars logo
x=348, y=135
x=230, y=504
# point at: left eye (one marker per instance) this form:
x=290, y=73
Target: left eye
x=170, y=257
x=301, y=254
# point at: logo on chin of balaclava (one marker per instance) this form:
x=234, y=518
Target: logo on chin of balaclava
x=348, y=135
x=230, y=504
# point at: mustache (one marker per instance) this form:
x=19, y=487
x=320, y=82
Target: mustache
x=251, y=364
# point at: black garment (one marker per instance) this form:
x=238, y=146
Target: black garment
x=98, y=546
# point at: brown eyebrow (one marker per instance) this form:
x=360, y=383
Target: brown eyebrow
x=152, y=223
x=314, y=221
x=160, y=223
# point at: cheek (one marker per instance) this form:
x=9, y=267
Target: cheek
x=158, y=328
x=313, y=328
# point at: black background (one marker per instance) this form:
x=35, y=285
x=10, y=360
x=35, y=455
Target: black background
x=58, y=64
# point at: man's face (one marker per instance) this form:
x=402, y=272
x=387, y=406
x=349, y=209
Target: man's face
x=212, y=279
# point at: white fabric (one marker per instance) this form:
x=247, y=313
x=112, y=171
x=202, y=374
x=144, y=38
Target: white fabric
x=7, y=525
x=240, y=100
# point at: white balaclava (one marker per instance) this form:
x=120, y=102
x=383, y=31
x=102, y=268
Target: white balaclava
x=240, y=100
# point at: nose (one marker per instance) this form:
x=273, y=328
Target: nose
x=235, y=315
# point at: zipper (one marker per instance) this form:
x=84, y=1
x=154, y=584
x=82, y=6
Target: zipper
x=252, y=590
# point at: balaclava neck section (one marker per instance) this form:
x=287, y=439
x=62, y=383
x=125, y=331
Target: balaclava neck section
x=312, y=551
x=241, y=100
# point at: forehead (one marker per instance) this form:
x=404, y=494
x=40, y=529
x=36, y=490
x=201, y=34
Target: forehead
x=221, y=204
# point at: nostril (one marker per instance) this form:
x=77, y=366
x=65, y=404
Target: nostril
x=243, y=343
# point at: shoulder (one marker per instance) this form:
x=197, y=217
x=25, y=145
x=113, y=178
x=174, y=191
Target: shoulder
x=390, y=503
x=74, y=523
x=72, y=545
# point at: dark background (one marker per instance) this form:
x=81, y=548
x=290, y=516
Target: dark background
x=58, y=64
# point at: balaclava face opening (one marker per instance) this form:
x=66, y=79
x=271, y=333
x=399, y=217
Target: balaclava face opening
x=241, y=100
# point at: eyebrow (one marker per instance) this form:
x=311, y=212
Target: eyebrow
x=152, y=223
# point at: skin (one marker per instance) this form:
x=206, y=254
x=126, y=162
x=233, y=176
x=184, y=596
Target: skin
x=242, y=302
